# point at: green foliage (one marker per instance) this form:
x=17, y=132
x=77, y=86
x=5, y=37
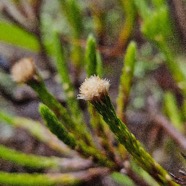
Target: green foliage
x=11, y=34
x=47, y=98
x=126, y=78
x=63, y=71
x=91, y=62
x=130, y=12
x=23, y=179
x=36, y=129
x=99, y=67
x=73, y=15
x=59, y=130
x=99, y=138
x=133, y=146
x=172, y=110
x=35, y=162
x=56, y=127
x=71, y=10
x=122, y=179
x=157, y=28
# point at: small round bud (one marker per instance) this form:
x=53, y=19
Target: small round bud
x=24, y=70
x=93, y=88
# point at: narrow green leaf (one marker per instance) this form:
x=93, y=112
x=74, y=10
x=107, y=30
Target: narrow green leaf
x=37, y=130
x=172, y=111
x=24, y=179
x=126, y=79
x=122, y=179
x=11, y=34
x=72, y=12
x=56, y=127
x=90, y=56
x=69, y=139
x=6, y=118
x=62, y=67
x=99, y=68
x=32, y=161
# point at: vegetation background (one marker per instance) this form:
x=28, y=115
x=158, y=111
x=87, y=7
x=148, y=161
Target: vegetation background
x=64, y=37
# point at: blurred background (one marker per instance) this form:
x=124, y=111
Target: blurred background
x=156, y=105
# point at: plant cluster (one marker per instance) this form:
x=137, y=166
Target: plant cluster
x=93, y=140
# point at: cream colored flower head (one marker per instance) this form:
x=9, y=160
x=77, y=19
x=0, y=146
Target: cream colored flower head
x=93, y=88
x=24, y=70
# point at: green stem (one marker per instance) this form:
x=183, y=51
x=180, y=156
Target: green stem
x=90, y=56
x=173, y=66
x=47, y=98
x=102, y=132
x=99, y=21
x=99, y=67
x=41, y=162
x=33, y=161
x=73, y=15
x=128, y=27
x=72, y=12
x=37, y=130
x=52, y=179
x=172, y=111
x=69, y=139
x=133, y=146
x=67, y=85
x=94, y=67
x=24, y=179
x=126, y=80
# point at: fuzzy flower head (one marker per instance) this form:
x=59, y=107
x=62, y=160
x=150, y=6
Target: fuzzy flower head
x=24, y=70
x=93, y=88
